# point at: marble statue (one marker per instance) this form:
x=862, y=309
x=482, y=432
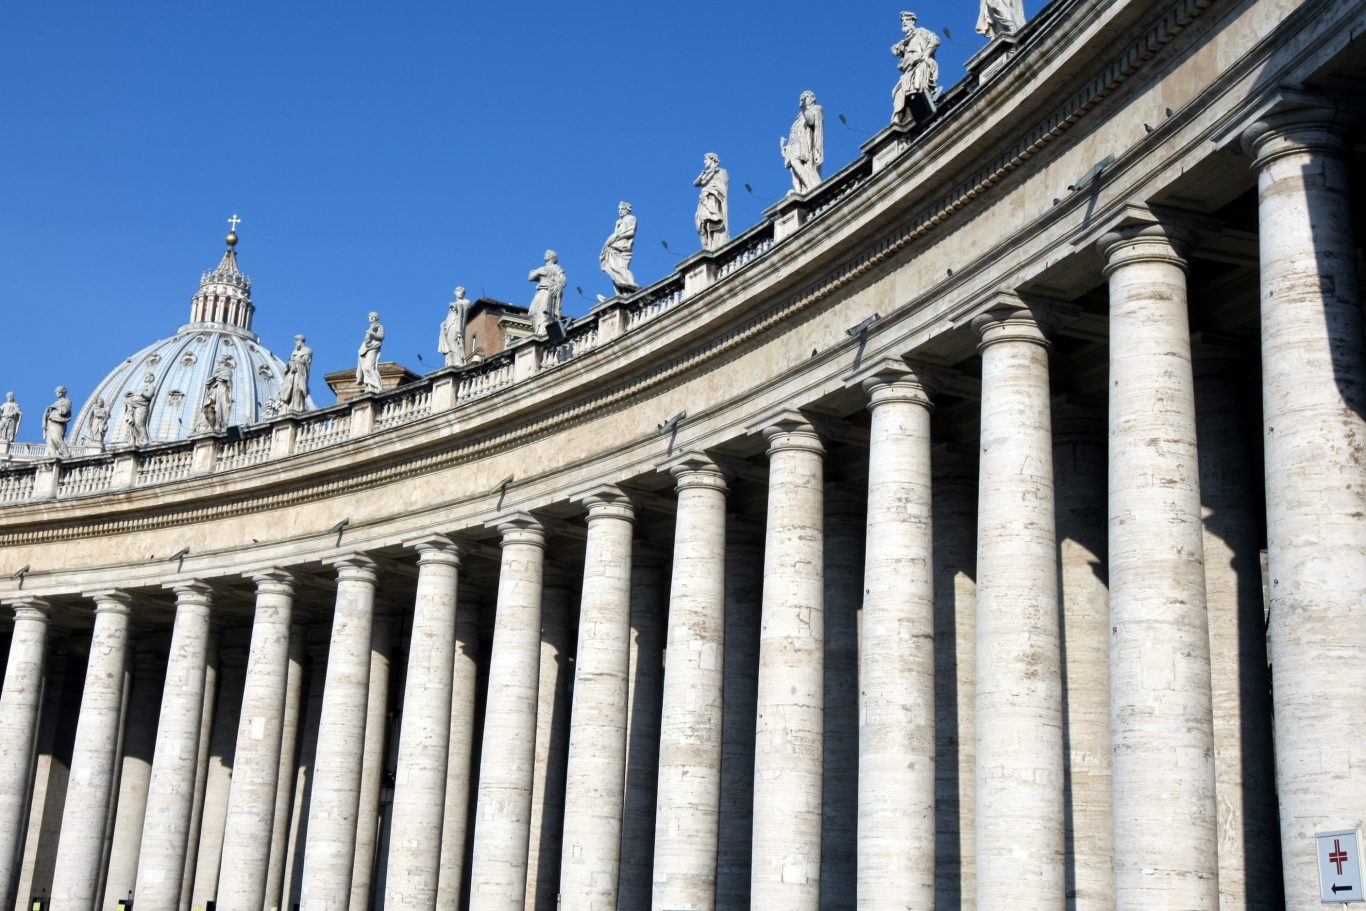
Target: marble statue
x=10, y=416
x=1000, y=18
x=919, y=69
x=550, y=284
x=367, y=364
x=137, y=407
x=804, y=148
x=55, y=418
x=294, y=390
x=713, y=205
x=218, y=396
x=452, y=340
x=615, y=258
x=99, y=423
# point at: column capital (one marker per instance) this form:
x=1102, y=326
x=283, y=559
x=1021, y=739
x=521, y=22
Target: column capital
x=787, y=429
x=696, y=469
x=112, y=601
x=607, y=501
x=26, y=608
x=355, y=568
x=1166, y=241
x=193, y=592
x=438, y=549
x=1009, y=318
x=520, y=528
x=274, y=581
x=901, y=381
x=1311, y=128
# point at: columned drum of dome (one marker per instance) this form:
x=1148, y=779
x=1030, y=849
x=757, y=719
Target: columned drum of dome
x=167, y=378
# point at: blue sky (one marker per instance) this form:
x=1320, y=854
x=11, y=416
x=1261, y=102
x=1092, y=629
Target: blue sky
x=379, y=155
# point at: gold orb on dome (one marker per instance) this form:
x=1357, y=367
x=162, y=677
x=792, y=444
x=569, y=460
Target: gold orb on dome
x=232, y=238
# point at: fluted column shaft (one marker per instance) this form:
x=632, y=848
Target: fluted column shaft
x=596, y=775
x=1019, y=807
x=256, y=759
x=896, y=780
x=1162, y=726
x=80, y=848
x=689, y=786
x=19, y=702
x=502, y=828
x=455, y=820
x=170, y=793
x=788, y=755
x=1314, y=421
x=335, y=799
x=424, y=738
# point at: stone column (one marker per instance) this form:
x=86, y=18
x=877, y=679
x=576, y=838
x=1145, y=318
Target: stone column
x=256, y=759
x=1079, y=464
x=596, y=772
x=1166, y=852
x=139, y=741
x=845, y=530
x=19, y=703
x=644, y=692
x=455, y=819
x=213, y=675
x=305, y=775
x=1314, y=421
x=213, y=821
x=1019, y=689
x=368, y=811
x=744, y=574
x=80, y=848
x=507, y=760
x=285, y=777
x=954, y=497
x=62, y=679
x=1240, y=681
x=335, y=793
x=788, y=754
x=689, y=786
x=896, y=774
x=424, y=738
x=170, y=792
x=552, y=740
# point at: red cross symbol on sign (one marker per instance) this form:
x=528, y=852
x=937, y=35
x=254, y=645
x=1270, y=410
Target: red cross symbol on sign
x=1337, y=856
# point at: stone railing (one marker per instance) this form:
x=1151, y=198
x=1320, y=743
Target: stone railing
x=581, y=338
x=85, y=477
x=406, y=404
x=753, y=245
x=170, y=464
x=839, y=186
x=657, y=299
x=319, y=431
x=485, y=377
x=27, y=452
x=16, y=483
x=252, y=449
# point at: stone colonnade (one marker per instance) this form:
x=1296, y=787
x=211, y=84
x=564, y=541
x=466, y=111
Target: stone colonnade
x=1030, y=732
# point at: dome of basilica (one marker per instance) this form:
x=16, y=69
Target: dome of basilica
x=171, y=375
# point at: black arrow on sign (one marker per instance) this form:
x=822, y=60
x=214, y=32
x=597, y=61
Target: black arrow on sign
x=1337, y=889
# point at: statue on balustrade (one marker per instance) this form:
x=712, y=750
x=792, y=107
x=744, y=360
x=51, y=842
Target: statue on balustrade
x=1000, y=18
x=218, y=396
x=55, y=418
x=137, y=406
x=713, y=206
x=99, y=423
x=367, y=364
x=10, y=416
x=919, y=69
x=804, y=148
x=615, y=258
x=550, y=284
x=452, y=340
x=294, y=391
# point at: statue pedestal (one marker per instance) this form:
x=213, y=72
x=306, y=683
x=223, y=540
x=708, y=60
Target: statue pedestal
x=788, y=214
x=991, y=59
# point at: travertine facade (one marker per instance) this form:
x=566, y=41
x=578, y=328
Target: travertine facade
x=996, y=472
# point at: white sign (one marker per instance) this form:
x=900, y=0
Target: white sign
x=1340, y=866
